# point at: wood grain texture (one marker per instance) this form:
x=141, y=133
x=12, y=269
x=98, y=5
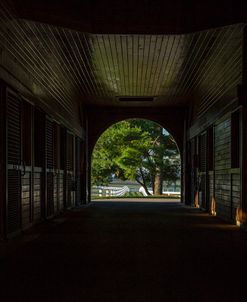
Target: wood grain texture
x=227, y=181
x=65, y=67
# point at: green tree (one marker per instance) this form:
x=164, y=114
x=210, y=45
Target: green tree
x=139, y=150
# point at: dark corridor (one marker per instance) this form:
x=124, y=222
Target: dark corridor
x=126, y=251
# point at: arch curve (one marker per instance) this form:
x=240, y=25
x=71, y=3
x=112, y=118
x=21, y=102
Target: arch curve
x=100, y=119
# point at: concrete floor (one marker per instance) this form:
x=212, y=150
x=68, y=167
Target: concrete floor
x=126, y=251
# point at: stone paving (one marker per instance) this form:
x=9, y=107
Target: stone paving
x=126, y=251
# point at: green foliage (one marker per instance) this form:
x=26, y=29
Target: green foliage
x=136, y=150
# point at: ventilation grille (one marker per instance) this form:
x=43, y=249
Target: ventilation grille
x=136, y=99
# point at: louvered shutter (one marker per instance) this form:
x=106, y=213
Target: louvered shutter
x=78, y=170
x=203, y=170
x=39, y=164
x=13, y=113
x=50, y=166
x=69, y=168
x=26, y=179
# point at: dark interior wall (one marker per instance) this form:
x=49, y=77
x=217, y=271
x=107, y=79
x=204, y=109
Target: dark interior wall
x=216, y=177
x=24, y=82
x=217, y=91
x=227, y=175
x=26, y=64
x=37, y=164
x=215, y=114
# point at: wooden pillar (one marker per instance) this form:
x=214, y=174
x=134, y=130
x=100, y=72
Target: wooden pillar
x=186, y=168
x=242, y=95
x=86, y=179
x=2, y=161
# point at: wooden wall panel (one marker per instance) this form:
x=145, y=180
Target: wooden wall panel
x=223, y=168
x=61, y=190
x=37, y=194
x=39, y=163
x=194, y=167
x=222, y=144
x=26, y=200
x=236, y=193
x=27, y=162
x=50, y=194
x=13, y=112
x=2, y=160
x=49, y=136
x=211, y=186
x=203, y=170
x=28, y=65
x=55, y=192
x=70, y=176
x=14, y=203
x=78, y=170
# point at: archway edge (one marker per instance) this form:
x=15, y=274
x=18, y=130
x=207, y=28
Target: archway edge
x=101, y=118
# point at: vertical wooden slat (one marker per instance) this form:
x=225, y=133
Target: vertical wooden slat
x=49, y=167
x=63, y=174
x=2, y=160
x=203, y=170
x=56, y=155
x=78, y=170
x=69, y=169
x=193, y=170
x=27, y=177
x=222, y=159
x=37, y=193
x=13, y=113
x=39, y=165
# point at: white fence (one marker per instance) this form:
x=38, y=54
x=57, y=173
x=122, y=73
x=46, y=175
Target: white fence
x=167, y=193
x=102, y=191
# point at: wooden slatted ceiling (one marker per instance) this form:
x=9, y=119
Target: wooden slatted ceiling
x=69, y=66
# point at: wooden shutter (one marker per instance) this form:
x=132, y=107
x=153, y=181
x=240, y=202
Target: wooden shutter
x=193, y=169
x=39, y=163
x=203, y=152
x=69, y=169
x=203, y=170
x=50, y=167
x=62, y=172
x=56, y=156
x=235, y=139
x=2, y=160
x=13, y=113
x=26, y=179
x=78, y=170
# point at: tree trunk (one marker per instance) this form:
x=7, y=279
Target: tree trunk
x=143, y=183
x=158, y=177
x=158, y=182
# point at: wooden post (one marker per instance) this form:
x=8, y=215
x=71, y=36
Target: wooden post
x=242, y=95
x=86, y=179
x=2, y=161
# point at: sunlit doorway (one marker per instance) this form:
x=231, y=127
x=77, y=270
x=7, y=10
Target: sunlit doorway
x=136, y=159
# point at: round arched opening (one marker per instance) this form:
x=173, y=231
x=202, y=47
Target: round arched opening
x=136, y=158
